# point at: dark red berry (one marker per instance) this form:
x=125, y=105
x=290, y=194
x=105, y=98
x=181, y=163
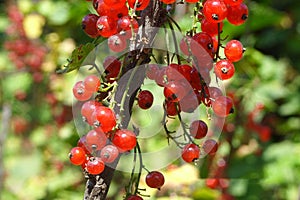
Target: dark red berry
x=198, y=129
x=155, y=179
x=190, y=153
x=89, y=25
x=222, y=106
x=210, y=146
x=145, y=99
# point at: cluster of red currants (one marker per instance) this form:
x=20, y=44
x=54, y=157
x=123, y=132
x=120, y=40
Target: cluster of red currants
x=23, y=52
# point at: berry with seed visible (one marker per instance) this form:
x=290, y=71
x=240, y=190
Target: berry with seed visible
x=224, y=69
x=237, y=15
x=215, y=11
x=80, y=92
x=109, y=153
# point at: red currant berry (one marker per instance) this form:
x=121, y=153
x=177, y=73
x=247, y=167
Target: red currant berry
x=233, y=2
x=155, y=179
x=190, y=153
x=205, y=41
x=145, y=99
x=117, y=43
x=175, y=91
x=215, y=11
x=109, y=153
x=115, y=4
x=234, y=50
x=222, y=106
x=112, y=67
x=212, y=183
x=95, y=166
x=224, y=69
x=171, y=108
x=88, y=109
x=125, y=140
x=210, y=146
x=211, y=28
x=80, y=92
x=237, y=15
x=88, y=24
x=125, y=26
x=95, y=140
x=168, y=1
x=134, y=197
x=106, y=26
x=214, y=92
x=198, y=129
x=77, y=155
x=92, y=83
x=161, y=76
x=104, y=119
x=138, y=4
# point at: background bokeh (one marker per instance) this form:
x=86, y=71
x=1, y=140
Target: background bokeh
x=260, y=143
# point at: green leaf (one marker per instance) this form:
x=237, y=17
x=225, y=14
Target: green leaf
x=78, y=56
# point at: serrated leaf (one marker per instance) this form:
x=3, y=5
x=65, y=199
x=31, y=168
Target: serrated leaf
x=78, y=56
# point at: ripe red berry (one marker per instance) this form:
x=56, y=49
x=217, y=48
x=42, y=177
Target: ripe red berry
x=215, y=11
x=92, y=83
x=95, y=166
x=88, y=109
x=145, y=99
x=134, y=197
x=124, y=139
x=112, y=67
x=234, y=50
x=210, y=146
x=171, y=108
x=117, y=43
x=210, y=28
x=115, y=4
x=189, y=103
x=237, y=15
x=77, y=155
x=109, y=153
x=190, y=153
x=106, y=26
x=205, y=40
x=82, y=143
x=125, y=26
x=198, y=129
x=155, y=179
x=88, y=24
x=233, y=2
x=212, y=183
x=104, y=119
x=168, y=1
x=95, y=140
x=222, y=106
x=80, y=92
x=141, y=4
x=175, y=90
x=224, y=69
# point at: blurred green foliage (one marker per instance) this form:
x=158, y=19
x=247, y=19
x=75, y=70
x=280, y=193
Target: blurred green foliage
x=36, y=162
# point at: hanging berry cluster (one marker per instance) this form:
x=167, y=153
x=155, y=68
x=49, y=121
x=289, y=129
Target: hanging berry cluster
x=186, y=82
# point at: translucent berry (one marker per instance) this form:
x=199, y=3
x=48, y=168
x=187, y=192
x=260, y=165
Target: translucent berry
x=237, y=15
x=124, y=139
x=198, y=129
x=190, y=153
x=95, y=140
x=80, y=92
x=125, y=26
x=145, y=99
x=171, y=108
x=233, y=2
x=210, y=28
x=215, y=11
x=92, y=83
x=88, y=24
x=155, y=179
x=95, y=166
x=222, y=106
x=104, y=119
x=234, y=50
x=88, y=109
x=210, y=146
x=77, y=155
x=106, y=26
x=109, y=153
x=117, y=43
x=224, y=69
